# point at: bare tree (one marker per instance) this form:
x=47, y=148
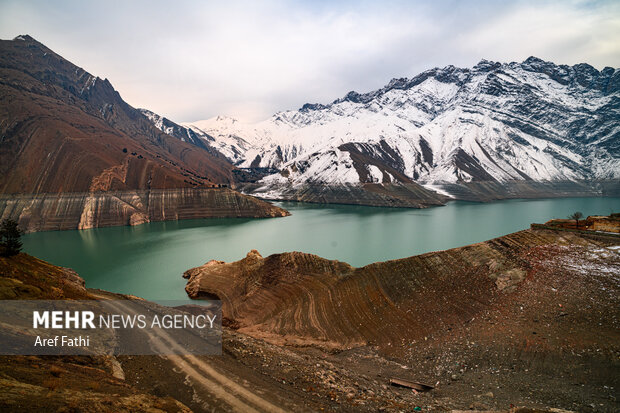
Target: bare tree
x=576, y=216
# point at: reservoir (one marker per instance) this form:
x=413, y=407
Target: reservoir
x=149, y=260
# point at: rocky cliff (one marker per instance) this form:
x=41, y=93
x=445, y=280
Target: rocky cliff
x=42, y=212
x=490, y=190
x=410, y=195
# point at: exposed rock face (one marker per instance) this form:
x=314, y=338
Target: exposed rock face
x=44, y=212
x=299, y=298
x=414, y=195
x=65, y=130
x=490, y=191
x=181, y=132
x=605, y=224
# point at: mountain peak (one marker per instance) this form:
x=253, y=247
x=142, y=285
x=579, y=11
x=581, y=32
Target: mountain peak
x=24, y=37
x=486, y=65
x=537, y=64
x=312, y=106
x=397, y=83
x=533, y=59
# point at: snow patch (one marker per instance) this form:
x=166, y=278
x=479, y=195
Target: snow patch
x=438, y=189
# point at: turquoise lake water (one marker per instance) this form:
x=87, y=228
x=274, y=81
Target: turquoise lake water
x=148, y=260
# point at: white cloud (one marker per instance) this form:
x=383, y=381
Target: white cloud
x=193, y=60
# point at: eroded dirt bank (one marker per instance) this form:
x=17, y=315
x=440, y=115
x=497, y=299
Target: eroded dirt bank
x=528, y=319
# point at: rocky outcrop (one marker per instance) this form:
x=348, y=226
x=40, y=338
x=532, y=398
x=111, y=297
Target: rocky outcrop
x=44, y=212
x=299, y=298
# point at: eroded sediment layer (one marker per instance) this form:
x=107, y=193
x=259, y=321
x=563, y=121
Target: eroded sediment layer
x=84, y=210
x=300, y=298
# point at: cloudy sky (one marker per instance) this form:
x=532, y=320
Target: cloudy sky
x=191, y=60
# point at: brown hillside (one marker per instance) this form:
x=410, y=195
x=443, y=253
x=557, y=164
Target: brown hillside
x=528, y=319
x=299, y=298
x=64, y=130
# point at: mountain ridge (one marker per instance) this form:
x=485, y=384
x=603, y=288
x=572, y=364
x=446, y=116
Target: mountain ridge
x=495, y=122
x=64, y=130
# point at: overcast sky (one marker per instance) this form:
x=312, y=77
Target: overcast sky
x=191, y=60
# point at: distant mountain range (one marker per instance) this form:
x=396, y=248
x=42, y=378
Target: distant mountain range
x=533, y=121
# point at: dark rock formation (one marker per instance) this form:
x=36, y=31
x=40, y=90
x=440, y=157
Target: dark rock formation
x=485, y=191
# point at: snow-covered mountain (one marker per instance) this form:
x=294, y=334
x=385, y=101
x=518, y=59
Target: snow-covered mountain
x=495, y=122
x=183, y=133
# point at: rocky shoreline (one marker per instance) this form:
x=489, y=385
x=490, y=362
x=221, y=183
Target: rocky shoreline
x=83, y=210
x=414, y=195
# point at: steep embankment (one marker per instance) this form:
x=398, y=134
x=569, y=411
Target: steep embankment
x=305, y=299
x=118, y=384
x=229, y=383
x=549, y=339
x=89, y=210
x=527, y=319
